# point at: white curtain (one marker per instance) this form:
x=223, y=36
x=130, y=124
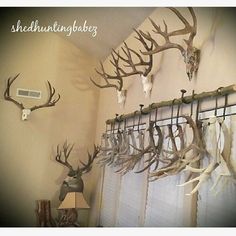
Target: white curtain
x=165, y=200
x=218, y=208
x=109, y=197
x=132, y=195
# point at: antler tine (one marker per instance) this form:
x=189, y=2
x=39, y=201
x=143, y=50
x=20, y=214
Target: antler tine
x=108, y=77
x=188, y=28
x=66, y=155
x=87, y=166
x=141, y=39
x=50, y=102
x=7, y=95
x=158, y=30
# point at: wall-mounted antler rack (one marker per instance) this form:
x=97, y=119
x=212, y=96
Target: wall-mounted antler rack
x=184, y=99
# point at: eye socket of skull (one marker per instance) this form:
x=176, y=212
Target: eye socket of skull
x=25, y=114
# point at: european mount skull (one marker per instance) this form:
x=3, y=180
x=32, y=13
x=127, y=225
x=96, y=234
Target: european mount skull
x=26, y=111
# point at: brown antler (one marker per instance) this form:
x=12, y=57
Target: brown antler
x=50, y=102
x=66, y=150
x=191, y=54
x=107, y=77
x=188, y=29
x=128, y=59
x=88, y=166
x=7, y=95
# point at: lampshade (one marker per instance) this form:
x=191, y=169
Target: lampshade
x=74, y=200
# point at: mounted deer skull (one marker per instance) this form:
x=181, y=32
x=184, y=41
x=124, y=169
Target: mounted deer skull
x=26, y=111
x=121, y=93
x=142, y=67
x=191, y=54
x=73, y=182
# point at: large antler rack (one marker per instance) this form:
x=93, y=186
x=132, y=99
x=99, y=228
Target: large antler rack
x=129, y=53
x=108, y=78
x=112, y=81
x=25, y=112
x=191, y=54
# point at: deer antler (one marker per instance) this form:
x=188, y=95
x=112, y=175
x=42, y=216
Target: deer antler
x=179, y=160
x=128, y=59
x=188, y=29
x=191, y=54
x=108, y=77
x=50, y=102
x=66, y=150
x=88, y=166
x=7, y=95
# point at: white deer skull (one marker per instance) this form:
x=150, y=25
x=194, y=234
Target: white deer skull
x=191, y=59
x=147, y=85
x=25, y=114
x=121, y=96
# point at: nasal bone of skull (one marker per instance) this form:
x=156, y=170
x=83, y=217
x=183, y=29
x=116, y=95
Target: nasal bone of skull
x=147, y=84
x=25, y=113
x=121, y=96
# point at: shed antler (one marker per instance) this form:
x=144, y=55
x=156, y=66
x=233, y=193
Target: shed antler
x=191, y=54
x=25, y=112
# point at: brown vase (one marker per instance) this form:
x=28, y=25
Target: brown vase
x=43, y=213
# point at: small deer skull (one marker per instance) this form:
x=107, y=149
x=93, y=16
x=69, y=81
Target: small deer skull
x=147, y=85
x=121, y=96
x=25, y=114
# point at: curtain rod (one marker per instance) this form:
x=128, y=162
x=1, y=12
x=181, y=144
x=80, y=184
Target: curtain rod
x=187, y=99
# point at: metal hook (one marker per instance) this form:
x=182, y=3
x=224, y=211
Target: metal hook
x=172, y=110
x=218, y=93
x=216, y=108
x=141, y=110
x=156, y=115
x=191, y=109
x=117, y=120
x=134, y=119
x=150, y=112
x=183, y=91
x=125, y=120
x=197, y=111
x=226, y=104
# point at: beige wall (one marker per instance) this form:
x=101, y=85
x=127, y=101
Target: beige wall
x=28, y=169
x=216, y=37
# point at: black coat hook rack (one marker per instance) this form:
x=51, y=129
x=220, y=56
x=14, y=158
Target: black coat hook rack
x=184, y=99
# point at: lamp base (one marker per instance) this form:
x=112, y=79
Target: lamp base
x=68, y=218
